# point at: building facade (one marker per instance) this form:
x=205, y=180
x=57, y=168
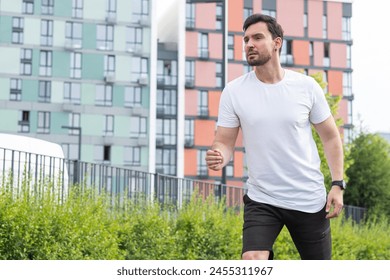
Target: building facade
x=86, y=67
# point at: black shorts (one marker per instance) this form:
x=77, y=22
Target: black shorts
x=309, y=231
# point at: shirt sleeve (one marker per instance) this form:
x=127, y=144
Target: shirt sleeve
x=320, y=110
x=226, y=114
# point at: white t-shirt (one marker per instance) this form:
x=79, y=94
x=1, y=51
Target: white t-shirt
x=282, y=157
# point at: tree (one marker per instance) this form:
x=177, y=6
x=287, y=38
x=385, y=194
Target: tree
x=369, y=174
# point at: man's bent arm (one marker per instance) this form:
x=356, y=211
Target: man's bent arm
x=222, y=148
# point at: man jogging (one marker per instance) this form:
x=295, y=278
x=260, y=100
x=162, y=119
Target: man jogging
x=275, y=107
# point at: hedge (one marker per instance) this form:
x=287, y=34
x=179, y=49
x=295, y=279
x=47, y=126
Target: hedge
x=87, y=227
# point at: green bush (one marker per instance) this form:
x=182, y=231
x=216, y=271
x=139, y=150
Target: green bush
x=87, y=226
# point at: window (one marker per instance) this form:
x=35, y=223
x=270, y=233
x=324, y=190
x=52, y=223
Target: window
x=139, y=69
x=47, y=7
x=324, y=26
x=46, y=32
x=43, y=122
x=230, y=168
x=346, y=28
x=349, y=61
x=138, y=127
x=203, y=103
x=166, y=132
x=190, y=15
x=203, y=45
x=166, y=102
x=109, y=65
x=190, y=73
x=189, y=133
x=17, y=30
x=45, y=63
x=44, y=93
x=111, y=8
x=140, y=10
x=106, y=153
x=326, y=54
x=134, y=39
x=74, y=121
x=108, y=125
x=219, y=15
x=70, y=151
x=218, y=74
x=247, y=12
x=347, y=84
x=247, y=69
x=230, y=50
x=28, y=7
x=103, y=95
x=75, y=65
x=286, y=55
x=25, y=61
x=74, y=33
x=77, y=8
x=15, y=93
x=24, y=121
x=271, y=13
x=167, y=72
x=201, y=166
x=305, y=23
x=132, y=156
x=72, y=92
x=102, y=154
x=133, y=97
x=104, y=37
x=325, y=79
x=166, y=161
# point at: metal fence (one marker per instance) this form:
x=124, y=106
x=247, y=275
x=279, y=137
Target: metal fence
x=37, y=173
x=22, y=170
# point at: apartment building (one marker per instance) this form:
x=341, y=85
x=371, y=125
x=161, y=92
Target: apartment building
x=81, y=73
x=317, y=39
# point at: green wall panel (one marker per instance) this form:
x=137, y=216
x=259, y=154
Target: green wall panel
x=92, y=124
x=122, y=126
x=58, y=119
x=5, y=29
x=30, y=90
x=4, y=88
x=89, y=36
x=118, y=96
x=93, y=66
x=63, y=8
x=11, y=125
x=61, y=64
x=88, y=94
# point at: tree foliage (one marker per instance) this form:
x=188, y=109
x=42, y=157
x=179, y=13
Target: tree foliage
x=369, y=173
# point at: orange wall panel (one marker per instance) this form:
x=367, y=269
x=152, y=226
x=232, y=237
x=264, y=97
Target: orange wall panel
x=204, y=132
x=235, y=70
x=301, y=52
x=238, y=163
x=191, y=102
x=203, y=18
x=215, y=45
x=235, y=15
x=335, y=82
x=214, y=97
x=205, y=73
x=238, y=48
x=338, y=55
x=315, y=11
x=190, y=162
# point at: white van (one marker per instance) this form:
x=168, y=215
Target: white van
x=26, y=161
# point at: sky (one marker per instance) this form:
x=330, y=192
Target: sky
x=370, y=64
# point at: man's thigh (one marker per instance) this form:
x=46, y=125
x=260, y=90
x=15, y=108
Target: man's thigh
x=262, y=224
x=310, y=233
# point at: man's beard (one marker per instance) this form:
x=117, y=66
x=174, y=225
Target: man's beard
x=261, y=60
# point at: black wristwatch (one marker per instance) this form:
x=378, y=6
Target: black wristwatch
x=340, y=183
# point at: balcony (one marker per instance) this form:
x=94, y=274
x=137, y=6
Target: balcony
x=204, y=54
x=71, y=45
x=111, y=18
x=203, y=113
x=189, y=143
x=109, y=78
x=143, y=81
x=287, y=59
x=190, y=82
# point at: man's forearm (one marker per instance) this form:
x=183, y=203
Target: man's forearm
x=335, y=157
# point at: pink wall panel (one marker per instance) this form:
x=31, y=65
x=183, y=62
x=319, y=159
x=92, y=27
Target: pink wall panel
x=215, y=45
x=315, y=12
x=343, y=110
x=191, y=102
x=205, y=73
x=290, y=16
x=203, y=18
x=318, y=53
x=256, y=6
x=192, y=44
x=338, y=54
x=235, y=70
x=335, y=14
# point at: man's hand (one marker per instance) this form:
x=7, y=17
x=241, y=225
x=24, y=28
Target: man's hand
x=214, y=159
x=334, y=204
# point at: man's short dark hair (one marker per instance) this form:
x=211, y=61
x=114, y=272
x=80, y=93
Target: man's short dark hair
x=273, y=26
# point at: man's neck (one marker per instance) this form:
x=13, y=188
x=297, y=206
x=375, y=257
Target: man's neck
x=269, y=75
